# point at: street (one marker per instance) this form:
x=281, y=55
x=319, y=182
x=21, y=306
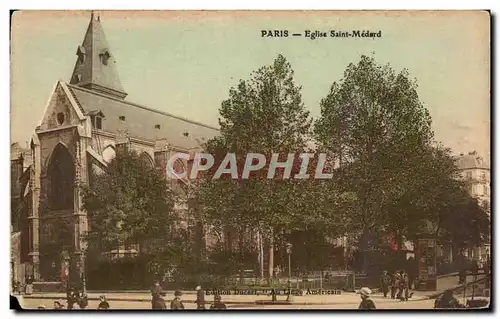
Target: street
x=420, y=304
x=392, y=304
x=345, y=300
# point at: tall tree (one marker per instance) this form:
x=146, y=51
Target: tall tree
x=376, y=127
x=128, y=203
x=262, y=115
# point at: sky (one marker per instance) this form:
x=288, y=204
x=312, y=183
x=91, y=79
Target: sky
x=184, y=63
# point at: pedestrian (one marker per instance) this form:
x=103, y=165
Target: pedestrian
x=277, y=271
x=366, y=302
x=385, y=282
x=41, y=307
x=177, y=304
x=218, y=304
x=157, y=301
x=403, y=292
x=70, y=297
x=29, y=286
x=412, y=272
x=58, y=305
x=461, y=275
x=200, y=298
x=447, y=301
x=474, y=269
x=103, y=305
x=83, y=301
x=394, y=284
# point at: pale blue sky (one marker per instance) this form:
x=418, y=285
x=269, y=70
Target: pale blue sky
x=185, y=63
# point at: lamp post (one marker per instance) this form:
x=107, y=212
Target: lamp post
x=289, y=253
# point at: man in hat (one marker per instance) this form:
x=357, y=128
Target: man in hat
x=177, y=304
x=218, y=304
x=200, y=298
x=385, y=282
x=103, y=305
x=366, y=302
x=157, y=301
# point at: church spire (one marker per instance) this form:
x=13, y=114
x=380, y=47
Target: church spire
x=95, y=66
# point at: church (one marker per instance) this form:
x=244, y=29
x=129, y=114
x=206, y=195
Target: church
x=86, y=120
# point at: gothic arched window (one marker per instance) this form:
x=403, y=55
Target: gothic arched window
x=61, y=175
x=108, y=154
x=147, y=159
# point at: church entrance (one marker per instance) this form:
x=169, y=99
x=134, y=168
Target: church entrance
x=57, y=220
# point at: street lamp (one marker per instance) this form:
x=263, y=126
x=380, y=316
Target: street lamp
x=289, y=253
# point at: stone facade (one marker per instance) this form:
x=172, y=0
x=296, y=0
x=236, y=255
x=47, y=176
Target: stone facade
x=84, y=123
x=475, y=171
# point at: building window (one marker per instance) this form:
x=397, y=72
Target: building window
x=468, y=175
x=61, y=174
x=105, y=56
x=60, y=118
x=157, y=126
x=122, y=118
x=483, y=176
x=98, y=122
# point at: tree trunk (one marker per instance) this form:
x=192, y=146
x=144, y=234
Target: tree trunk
x=260, y=251
x=271, y=255
x=241, y=249
x=363, y=247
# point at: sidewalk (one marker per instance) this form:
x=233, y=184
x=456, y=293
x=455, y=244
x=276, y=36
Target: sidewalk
x=251, y=297
x=188, y=296
x=344, y=298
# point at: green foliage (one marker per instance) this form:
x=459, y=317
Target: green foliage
x=380, y=133
x=130, y=202
x=262, y=115
x=464, y=223
x=265, y=115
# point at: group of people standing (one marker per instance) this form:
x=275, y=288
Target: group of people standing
x=399, y=284
x=158, y=300
x=82, y=303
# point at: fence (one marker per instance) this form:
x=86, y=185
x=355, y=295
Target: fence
x=314, y=280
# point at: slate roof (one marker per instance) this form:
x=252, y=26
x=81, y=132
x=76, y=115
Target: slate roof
x=140, y=121
x=90, y=71
x=471, y=161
